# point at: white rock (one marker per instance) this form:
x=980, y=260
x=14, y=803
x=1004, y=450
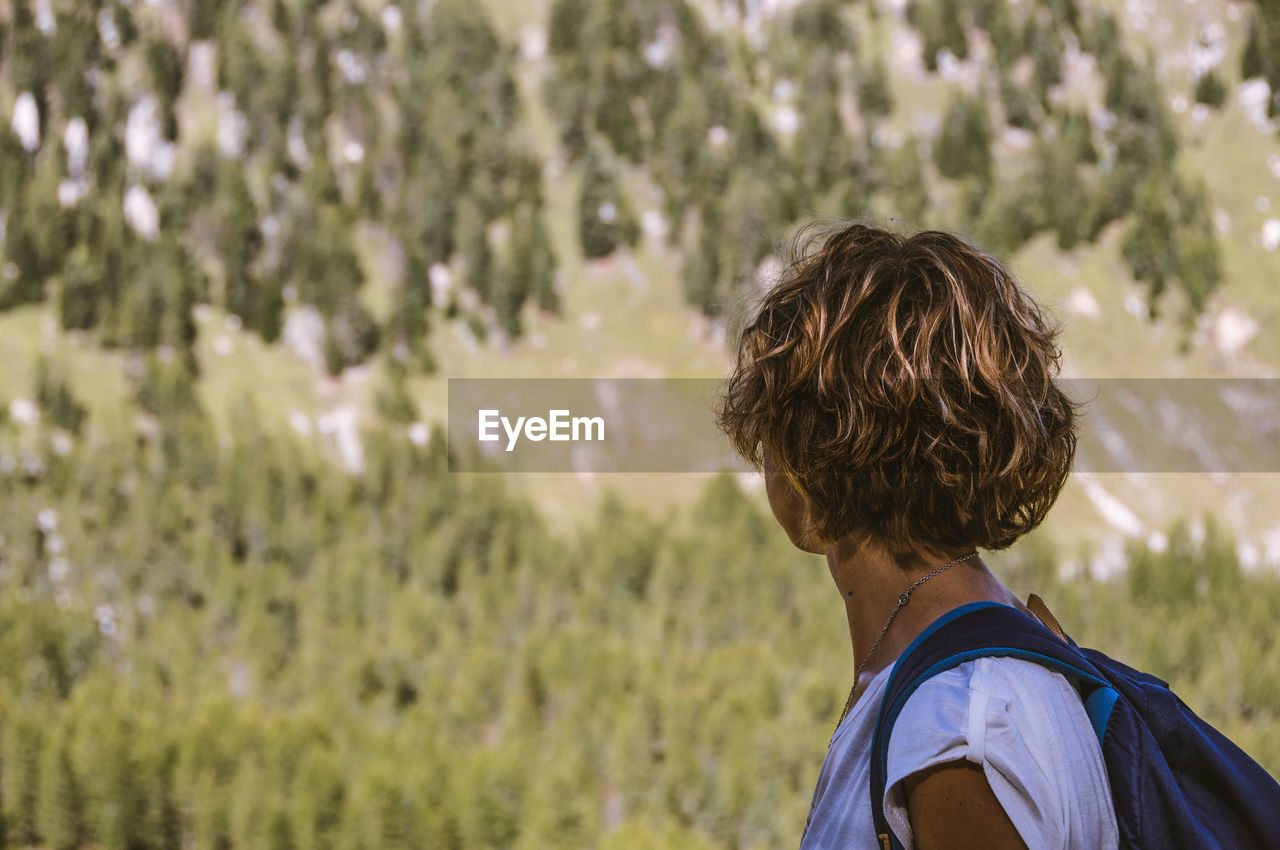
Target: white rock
x=1232, y=330
x=1271, y=546
x=108, y=31
x=533, y=43
x=351, y=67
x=61, y=443
x=26, y=121
x=1252, y=98
x=24, y=412
x=392, y=19
x=419, y=434
x=654, y=224
x=1248, y=554
x=343, y=425
x=296, y=143
x=1082, y=302
x=300, y=422
x=45, y=21
x=657, y=54
x=441, y=282
x=202, y=66
x=76, y=140
x=47, y=520
x=303, y=334
x=71, y=191
x=1271, y=234
x=233, y=127
x=144, y=144
x=1109, y=559
x=607, y=212
x=141, y=213
x=786, y=120
x=1115, y=512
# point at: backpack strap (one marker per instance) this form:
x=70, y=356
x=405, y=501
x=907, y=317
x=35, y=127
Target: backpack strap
x=977, y=630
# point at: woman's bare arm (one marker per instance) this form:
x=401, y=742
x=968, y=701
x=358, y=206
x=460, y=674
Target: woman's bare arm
x=952, y=806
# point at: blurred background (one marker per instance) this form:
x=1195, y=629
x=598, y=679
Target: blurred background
x=243, y=246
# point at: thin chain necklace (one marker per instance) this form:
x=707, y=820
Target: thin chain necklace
x=902, y=601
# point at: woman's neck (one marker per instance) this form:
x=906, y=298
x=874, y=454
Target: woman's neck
x=870, y=581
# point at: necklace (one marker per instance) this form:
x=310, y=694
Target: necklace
x=902, y=601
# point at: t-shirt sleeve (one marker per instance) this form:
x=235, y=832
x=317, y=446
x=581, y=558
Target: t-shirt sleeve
x=1027, y=727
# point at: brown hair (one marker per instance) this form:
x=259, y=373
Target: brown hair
x=904, y=386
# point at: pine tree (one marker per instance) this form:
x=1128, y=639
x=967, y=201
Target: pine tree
x=565, y=29
x=529, y=269
x=605, y=220
x=701, y=266
x=393, y=401
x=237, y=241
x=472, y=238
x=904, y=180
x=941, y=28
x=952, y=29
x=615, y=117
x=328, y=270
x=1046, y=52
x=60, y=807
x=822, y=23
x=20, y=762
x=351, y=335
x=165, y=66
x=824, y=155
x=53, y=394
x=1147, y=245
x=536, y=260
x=963, y=148
x=1210, y=90
x=78, y=296
x=1253, y=62
x=204, y=19
x=1063, y=190
x=874, y=95
x=1013, y=210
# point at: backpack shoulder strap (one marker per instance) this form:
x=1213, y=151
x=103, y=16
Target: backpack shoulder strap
x=976, y=630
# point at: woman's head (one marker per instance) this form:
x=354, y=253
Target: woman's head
x=903, y=386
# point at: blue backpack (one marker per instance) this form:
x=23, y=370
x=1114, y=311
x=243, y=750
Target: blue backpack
x=1176, y=782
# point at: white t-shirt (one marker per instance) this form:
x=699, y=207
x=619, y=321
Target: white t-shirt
x=1026, y=726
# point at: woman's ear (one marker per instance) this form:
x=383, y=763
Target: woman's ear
x=790, y=508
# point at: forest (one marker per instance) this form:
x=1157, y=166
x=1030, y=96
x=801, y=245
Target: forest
x=250, y=647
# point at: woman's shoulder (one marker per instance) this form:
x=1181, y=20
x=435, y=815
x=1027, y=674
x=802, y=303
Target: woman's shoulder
x=1027, y=727
x=1007, y=711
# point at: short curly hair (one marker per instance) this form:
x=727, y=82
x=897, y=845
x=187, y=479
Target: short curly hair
x=904, y=385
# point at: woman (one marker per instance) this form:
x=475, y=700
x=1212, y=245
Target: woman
x=898, y=394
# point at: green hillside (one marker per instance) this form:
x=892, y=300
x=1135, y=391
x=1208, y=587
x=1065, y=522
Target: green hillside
x=865, y=85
